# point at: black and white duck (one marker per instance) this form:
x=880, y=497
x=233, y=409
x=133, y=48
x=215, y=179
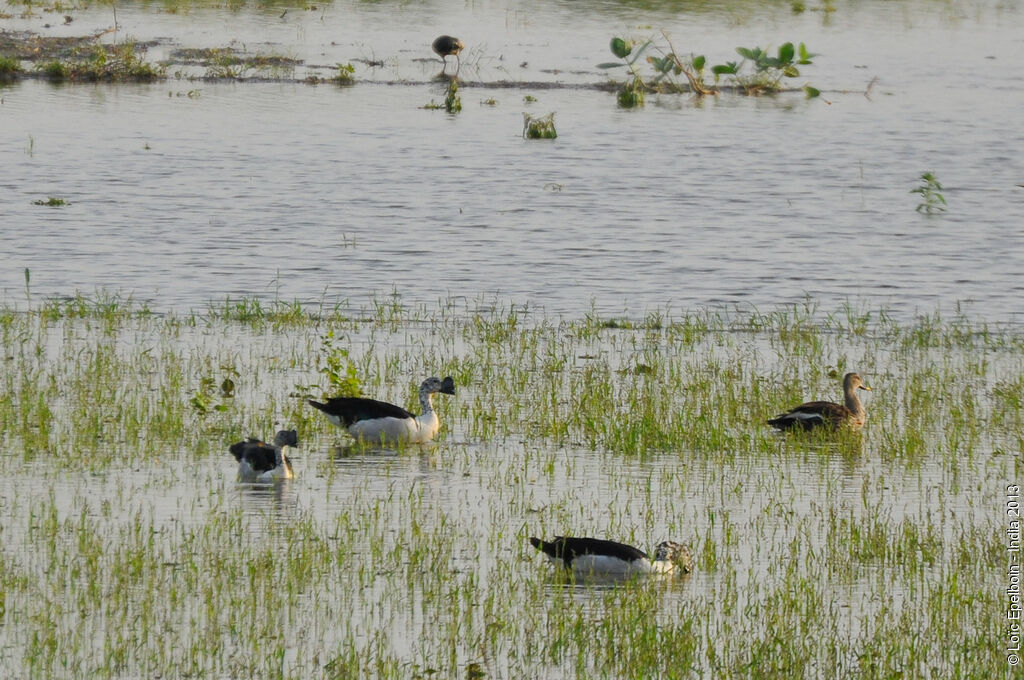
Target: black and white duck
x=262, y=462
x=375, y=421
x=601, y=557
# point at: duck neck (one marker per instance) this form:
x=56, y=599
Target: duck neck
x=853, y=402
x=426, y=403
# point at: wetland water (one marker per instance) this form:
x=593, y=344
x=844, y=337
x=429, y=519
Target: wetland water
x=130, y=551
x=345, y=193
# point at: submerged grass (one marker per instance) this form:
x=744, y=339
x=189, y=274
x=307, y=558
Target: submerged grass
x=129, y=550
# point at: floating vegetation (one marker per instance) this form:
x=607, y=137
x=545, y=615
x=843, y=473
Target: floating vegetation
x=757, y=73
x=9, y=68
x=539, y=127
x=346, y=74
x=52, y=202
x=98, y=62
x=631, y=94
x=233, y=64
x=452, y=100
x=930, y=191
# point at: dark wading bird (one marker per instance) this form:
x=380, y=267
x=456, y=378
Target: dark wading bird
x=375, y=421
x=446, y=45
x=600, y=557
x=815, y=414
x=262, y=462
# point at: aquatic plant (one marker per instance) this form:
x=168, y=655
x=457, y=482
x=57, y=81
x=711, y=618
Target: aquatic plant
x=52, y=201
x=452, y=100
x=54, y=70
x=758, y=72
x=341, y=372
x=539, y=127
x=631, y=94
x=99, y=62
x=345, y=75
x=768, y=71
x=9, y=68
x=930, y=191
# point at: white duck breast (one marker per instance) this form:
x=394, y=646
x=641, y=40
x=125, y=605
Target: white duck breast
x=597, y=557
x=375, y=421
x=262, y=462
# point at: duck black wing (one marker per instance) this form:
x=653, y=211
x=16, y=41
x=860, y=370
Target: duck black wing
x=351, y=410
x=567, y=548
x=260, y=455
x=811, y=415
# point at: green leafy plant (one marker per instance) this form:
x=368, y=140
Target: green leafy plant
x=9, y=68
x=768, y=71
x=53, y=70
x=204, y=400
x=346, y=74
x=631, y=94
x=52, y=202
x=758, y=71
x=540, y=127
x=452, y=100
x=932, y=200
x=339, y=369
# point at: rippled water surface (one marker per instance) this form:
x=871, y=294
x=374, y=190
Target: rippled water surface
x=320, y=192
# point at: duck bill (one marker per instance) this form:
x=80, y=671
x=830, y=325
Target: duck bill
x=447, y=385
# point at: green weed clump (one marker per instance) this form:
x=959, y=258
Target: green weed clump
x=452, y=100
x=539, y=127
x=759, y=72
x=51, y=201
x=110, y=63
x=346, y=74
x=10, y=67
x=930, y=191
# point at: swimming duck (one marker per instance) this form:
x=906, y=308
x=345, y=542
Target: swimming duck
x=445, y=45
x=262, y=462
x=380, y=422
x=600, y=557
x=826, y=413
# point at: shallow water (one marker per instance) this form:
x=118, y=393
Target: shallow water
x=131, y=546
x=347, y=194
x=286, y=190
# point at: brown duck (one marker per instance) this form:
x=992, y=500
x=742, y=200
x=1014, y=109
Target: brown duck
x=814, y=414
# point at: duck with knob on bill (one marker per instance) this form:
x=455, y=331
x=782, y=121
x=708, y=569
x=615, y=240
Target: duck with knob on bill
x=376, y=422
x=445, y=45
x=601, y=557
x=262, y=462
x=814, y=414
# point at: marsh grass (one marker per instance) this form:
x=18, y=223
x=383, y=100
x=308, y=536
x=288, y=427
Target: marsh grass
x=129, y=549
x=9, y=68
x=99, y=62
